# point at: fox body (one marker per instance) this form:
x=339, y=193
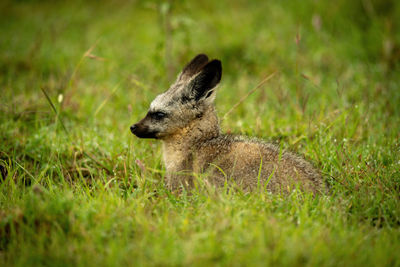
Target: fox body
x=184, y=118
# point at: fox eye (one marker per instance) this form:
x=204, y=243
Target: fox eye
x=158, y=115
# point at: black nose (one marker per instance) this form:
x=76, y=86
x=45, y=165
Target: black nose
x=133, y=128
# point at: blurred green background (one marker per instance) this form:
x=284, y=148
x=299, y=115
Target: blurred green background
x=77, y=188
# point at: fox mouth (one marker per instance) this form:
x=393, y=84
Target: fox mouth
x=142, y=132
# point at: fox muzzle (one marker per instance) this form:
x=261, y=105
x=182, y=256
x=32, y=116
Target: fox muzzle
x=142, y=131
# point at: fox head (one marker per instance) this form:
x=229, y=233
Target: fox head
x=187, y=99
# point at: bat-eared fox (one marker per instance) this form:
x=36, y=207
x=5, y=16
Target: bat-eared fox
x=184, y=118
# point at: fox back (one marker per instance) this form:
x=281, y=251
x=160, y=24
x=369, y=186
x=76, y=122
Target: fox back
x=184, y=118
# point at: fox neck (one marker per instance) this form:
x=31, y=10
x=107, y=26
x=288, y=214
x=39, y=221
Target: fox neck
x=178, y=149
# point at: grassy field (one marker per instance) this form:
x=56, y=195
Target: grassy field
x=77, y=188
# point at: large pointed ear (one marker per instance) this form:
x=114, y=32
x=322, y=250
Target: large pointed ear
x=203, y=84
x=193, y=67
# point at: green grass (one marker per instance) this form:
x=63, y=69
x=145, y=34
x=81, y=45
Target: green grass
x=78, y=188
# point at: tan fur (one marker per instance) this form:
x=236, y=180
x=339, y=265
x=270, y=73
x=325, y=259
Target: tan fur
x=200, y=148
x=184, y=118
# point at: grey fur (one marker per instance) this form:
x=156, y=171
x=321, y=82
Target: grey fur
x=184, y=118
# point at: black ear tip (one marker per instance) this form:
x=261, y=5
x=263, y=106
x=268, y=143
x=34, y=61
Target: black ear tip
x=215, y=66
x=200, y=59
x=215, y=63
x=202, y=56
